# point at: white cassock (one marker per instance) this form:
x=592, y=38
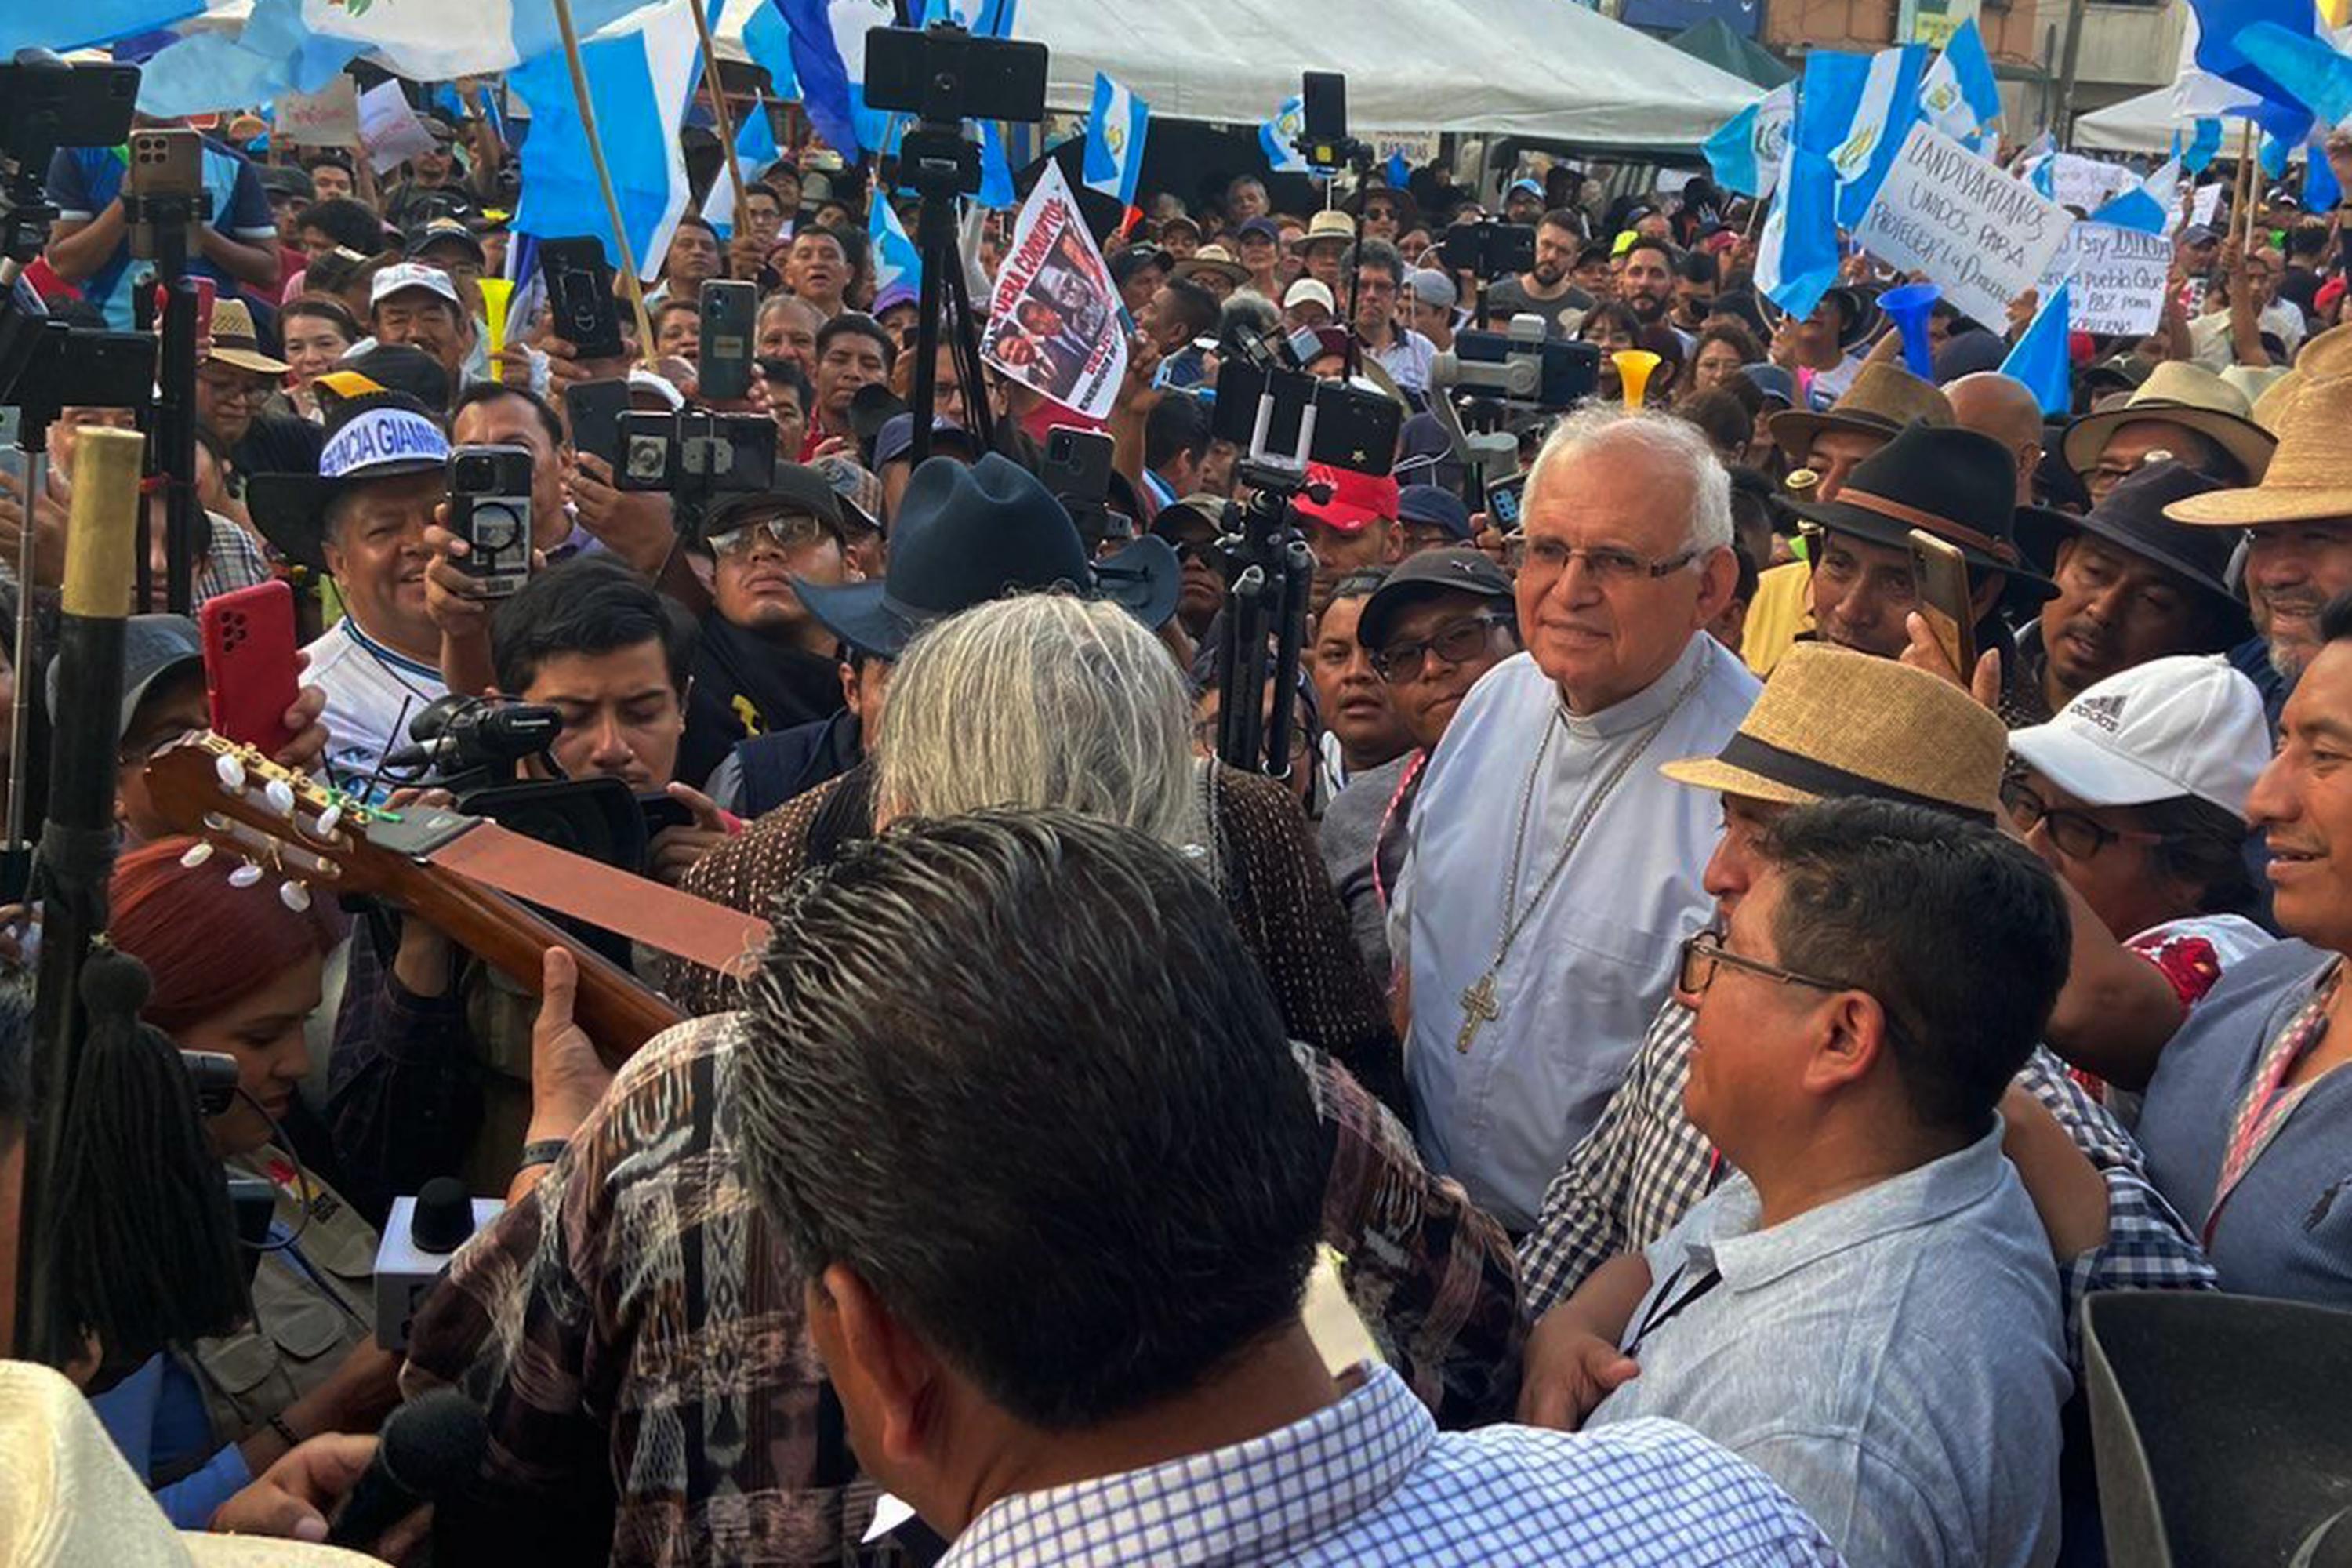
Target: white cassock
x=1588, y=970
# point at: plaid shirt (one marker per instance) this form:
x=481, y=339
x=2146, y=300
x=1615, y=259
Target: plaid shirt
x=627, y=1325
x=1369, y=1479
x=1643, y=1166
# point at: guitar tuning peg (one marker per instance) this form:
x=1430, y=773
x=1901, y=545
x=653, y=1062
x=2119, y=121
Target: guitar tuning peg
x=198, y=853
x=323, y=827
x=245, y=876
x=231, y=772
x=280, y=796
x=294, y=896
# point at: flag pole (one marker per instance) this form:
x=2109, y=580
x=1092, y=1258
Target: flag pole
x=580, y=95
x=2244, y=216
x=719, y=108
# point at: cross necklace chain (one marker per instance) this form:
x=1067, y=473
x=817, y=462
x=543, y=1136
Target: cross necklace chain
x=1479, y=1007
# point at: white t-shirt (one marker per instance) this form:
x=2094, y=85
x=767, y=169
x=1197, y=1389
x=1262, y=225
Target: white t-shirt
x=371, y=692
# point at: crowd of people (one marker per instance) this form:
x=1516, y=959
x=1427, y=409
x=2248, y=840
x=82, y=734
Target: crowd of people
x=1699, y=1046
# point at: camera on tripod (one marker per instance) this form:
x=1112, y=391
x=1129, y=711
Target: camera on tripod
x=1520, y=366
x=1489, y=248
x=942, y=75
x=1323, y=140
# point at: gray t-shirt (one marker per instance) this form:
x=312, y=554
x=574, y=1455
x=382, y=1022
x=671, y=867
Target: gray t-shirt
x=1351, y=827
x=1507, y=296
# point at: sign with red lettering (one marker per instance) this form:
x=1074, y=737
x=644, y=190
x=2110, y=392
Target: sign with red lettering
x=1053, y=319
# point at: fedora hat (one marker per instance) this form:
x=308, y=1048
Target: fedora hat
x=2178, y=393
x=1883, y=399
x=1958, y=485
x=1214, y=258
x=2310, y=477
x=1328, y=224
x=1832, y=723
x=2132, y=518
x=373, y=434
x=235, y=341
x=964, y=535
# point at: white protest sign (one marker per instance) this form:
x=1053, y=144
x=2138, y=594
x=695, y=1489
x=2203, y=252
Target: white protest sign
x=2079, y=181
x=1982, y=236
x=2207, y=205
x=389, y=128
x=1053, y=318
x=328, y=118
x=2118, y=275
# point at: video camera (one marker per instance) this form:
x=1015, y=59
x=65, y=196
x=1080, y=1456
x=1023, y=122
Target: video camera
x=1520, y=366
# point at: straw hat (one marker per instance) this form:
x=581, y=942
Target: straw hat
x=235, y=342
x=1214, y=258
x=70, y=1499
x=1328, y=224
x=2311, y=477
x=1832, y=723
x=1883, y=399
x=2182, y=393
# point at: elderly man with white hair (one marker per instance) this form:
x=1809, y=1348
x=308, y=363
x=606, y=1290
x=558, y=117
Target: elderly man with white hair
x=1550, y=869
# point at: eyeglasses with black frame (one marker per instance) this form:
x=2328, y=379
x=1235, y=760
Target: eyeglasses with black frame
x=1453, y=642
x=2077, y=835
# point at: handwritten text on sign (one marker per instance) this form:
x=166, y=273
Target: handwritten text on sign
x=2118, y=275
x=1982, y=236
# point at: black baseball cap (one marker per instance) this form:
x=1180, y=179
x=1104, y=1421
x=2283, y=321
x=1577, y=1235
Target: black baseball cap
x=1424, y=576
x=795, y=488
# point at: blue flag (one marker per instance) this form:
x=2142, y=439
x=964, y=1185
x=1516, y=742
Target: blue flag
x=2272, y=157
x=63, y=28
x=1972, y=68
x=1855, y=111
x=755, y=139
x=1400, y=171
x=639, y=82
x=2040, y=359
x=767, y=39
x=1277, y=137
x=829, y=52
x=1745, y=149
x=2045, y=178
x=2145, y=206
x=1115, y=130
x=2204, y=145
x=2220, y=26
x=2307, y=69
x=896, y=260
x=2321, y=189
x=1797, y=255
x=996, y=188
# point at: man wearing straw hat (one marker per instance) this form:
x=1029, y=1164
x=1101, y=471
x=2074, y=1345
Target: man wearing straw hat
x=2183, y=412
x=2297, y=519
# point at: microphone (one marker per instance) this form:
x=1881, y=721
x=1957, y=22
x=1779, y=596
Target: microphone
x=429, y=1449
x=413, y=1251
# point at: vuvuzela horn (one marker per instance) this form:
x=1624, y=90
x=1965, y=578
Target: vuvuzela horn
x=1634, y=367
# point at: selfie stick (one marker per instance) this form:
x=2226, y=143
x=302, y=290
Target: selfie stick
x=581, y=96
x=78, y=839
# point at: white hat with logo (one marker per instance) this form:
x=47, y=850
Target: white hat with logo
x=2187, y=725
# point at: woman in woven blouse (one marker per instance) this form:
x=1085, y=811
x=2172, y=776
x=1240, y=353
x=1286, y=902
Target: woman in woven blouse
x=1049, y=700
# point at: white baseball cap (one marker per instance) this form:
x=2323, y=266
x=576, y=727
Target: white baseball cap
x=1309, y=291
x=2184, y=725
x=411, y=275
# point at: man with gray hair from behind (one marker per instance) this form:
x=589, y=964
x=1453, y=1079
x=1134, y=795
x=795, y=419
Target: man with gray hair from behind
x=1551, y=870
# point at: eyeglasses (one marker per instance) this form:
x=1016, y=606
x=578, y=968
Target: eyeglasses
x=1457, y=642
x=2077, y=836
x=1206, y=735
x=1702, y=952
x=1611, y=566
x=795, y=531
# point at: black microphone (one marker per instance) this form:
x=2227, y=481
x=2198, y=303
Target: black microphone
x=430, y=1448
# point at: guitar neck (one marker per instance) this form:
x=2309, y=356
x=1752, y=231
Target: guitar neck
x=618, y=1013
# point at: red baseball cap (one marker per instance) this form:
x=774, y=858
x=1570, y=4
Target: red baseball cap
x=1357, y=499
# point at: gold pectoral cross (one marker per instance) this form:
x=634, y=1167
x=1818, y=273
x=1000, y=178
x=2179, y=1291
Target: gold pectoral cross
x=1478, y=1006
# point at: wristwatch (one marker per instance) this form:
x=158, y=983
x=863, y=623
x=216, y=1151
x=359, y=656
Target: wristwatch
x=541, y=1151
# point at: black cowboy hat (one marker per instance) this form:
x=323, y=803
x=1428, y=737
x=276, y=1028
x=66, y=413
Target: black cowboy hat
x=2132, y=518
x=965, y=534
x=1958, y=485
x=374, y=433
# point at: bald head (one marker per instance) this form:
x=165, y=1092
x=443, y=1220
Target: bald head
x=2002, y=407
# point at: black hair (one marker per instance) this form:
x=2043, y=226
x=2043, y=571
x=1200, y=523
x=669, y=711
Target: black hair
x=2203, y=848
x=1718, y=413
x=787, y=373
x=318, y=157
x=863, y=325
x=1644, y=242
x=350, y=224
x=589, y=605
x=1959, y=934
x=325, y=306
x=491, y=390
x=1744, y=587
x=761, y=188
x=698, y=221
x=1079, y=981
x=2336, y=618
x=1361, y=583
x=1177, y=425
x=1695, y=266
x=1378, y=255
x=1567, y=218
x=1196, y=306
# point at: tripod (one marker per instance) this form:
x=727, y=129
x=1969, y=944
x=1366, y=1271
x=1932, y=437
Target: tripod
x=171, y=420
x=1268, y=571
x=942, y=163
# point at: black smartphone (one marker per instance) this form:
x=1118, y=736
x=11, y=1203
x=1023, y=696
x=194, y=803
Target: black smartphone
x=1077, y=466
x=661, y=813
x=489, y=509
x=1503, y=501
x=1489, y=249
x=592, y=410
x=938, y=76
x=720, y=454
x=580, y=302
x=1323, y=112
x=1354, y=429
x=724, y=370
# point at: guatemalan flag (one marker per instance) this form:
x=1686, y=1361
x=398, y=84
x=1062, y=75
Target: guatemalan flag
x=828, y=50
x=1746, y=151
x=639, y=82
x=1959, y=95
x=1857, y=110
x=896, y=260
x=1115, y=134
x=1277, y=137
x=2147, y=206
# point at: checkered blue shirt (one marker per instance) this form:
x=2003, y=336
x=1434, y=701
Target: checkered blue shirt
x=1643, y=1166
x=1369, y=1479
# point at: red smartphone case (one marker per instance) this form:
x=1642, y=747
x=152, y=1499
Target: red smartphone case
x=249, y=668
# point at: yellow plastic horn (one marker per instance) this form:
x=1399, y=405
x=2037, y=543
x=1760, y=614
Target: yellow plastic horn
x=1634, y=367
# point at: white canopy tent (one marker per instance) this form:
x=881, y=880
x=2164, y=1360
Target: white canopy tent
x=1549, y=69
x=2141, y=124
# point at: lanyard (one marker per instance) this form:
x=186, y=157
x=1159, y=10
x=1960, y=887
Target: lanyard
x=1660, y=1314
x=2268, y=1103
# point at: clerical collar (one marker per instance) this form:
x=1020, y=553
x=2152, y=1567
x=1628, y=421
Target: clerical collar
x=1626, y=717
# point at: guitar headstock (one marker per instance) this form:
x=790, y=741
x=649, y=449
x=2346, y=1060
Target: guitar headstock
x=277, y=821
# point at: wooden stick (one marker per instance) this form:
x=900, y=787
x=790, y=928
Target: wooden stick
x=2244, y=218
x=719, y=108
x=635, y=289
